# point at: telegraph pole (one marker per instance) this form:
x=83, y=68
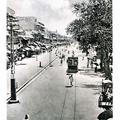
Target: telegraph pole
x=13, y=98
x=50, y=54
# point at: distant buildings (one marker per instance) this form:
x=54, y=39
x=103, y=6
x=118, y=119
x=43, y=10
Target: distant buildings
x=10, y=11
x=29, y=29
x=11, y=19
x=27, y=23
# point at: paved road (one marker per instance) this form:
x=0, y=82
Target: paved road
x=26, y=68
x=48, y=98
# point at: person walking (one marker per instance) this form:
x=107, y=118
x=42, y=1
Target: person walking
x=68, y=51
x=26, y=117
x=61, y=61
x=91, y=63
x=71, y=79
x=63, y=57
x=88, y=62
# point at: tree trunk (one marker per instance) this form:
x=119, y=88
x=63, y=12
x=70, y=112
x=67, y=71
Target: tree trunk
x=101, y=61
x=107, y=67
x=107, y=71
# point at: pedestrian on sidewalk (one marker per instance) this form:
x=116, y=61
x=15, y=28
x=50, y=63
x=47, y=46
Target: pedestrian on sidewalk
x=73, y=53
x=63, y=57
x=68, y=51
x=88, y=62
x=71, y=79
x=91, y=63
x=82, y=57
x=26, y=117
x=61, y=60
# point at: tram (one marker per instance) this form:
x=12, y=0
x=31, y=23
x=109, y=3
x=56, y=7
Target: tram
x=72, y=64
x=106, y=99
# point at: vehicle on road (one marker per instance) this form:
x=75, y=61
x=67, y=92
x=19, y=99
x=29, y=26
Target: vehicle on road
x=72, y=64
x=20, y=54
x=27, y=51
x=35, y=48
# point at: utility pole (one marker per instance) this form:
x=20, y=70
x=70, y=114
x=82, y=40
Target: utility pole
x=56, y=36
x=13, y=98
x=50, y=53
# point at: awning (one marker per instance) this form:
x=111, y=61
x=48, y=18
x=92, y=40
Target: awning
x=107, y=81
x=27, y=48
x=7, y=33
x=28, y=34
x=8, y=51
x=22, y=36
x=19, y=30
x=34, y=31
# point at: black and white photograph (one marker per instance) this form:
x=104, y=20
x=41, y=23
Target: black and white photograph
x=59, y=60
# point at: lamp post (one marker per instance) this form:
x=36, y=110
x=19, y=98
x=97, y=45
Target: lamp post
x=57, y=38
x=50, y=53
x=13, y=84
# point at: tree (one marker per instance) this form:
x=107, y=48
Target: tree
x=94, y=26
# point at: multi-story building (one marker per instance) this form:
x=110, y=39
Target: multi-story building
x=27, y=23
x=10, y=11
x=11, y=21
x=32, y=28
x=40, y=28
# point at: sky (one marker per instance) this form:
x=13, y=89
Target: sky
x=55, y=14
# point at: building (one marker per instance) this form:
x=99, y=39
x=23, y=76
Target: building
x=33, y=27
x=27, y=23
x=40, y=27
x=11, y=19
x=40, y=31
x=10, y=11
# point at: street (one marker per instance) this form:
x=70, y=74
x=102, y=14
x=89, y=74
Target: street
x=59, y=60
x=26, y=68
x=48, y=97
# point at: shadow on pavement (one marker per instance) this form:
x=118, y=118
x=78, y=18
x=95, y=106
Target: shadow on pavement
x=95, y=87
x=21, y=64
x=96, y=93
x=92, y=74
x=68, y=86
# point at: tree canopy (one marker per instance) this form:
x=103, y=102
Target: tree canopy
x=93, y=25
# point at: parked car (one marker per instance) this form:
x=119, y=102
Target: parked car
x=20, y=53
x=37, y=50
x=28, y=51
x=48, y=46
x=32, y=49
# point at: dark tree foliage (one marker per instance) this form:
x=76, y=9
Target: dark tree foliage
x=94, y=26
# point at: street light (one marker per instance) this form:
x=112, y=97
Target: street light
x=50, y=54
x=13, y=84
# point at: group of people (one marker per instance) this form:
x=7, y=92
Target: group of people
x=62, y=58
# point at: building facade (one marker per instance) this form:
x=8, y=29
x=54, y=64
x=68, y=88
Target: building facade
x=27, y=23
